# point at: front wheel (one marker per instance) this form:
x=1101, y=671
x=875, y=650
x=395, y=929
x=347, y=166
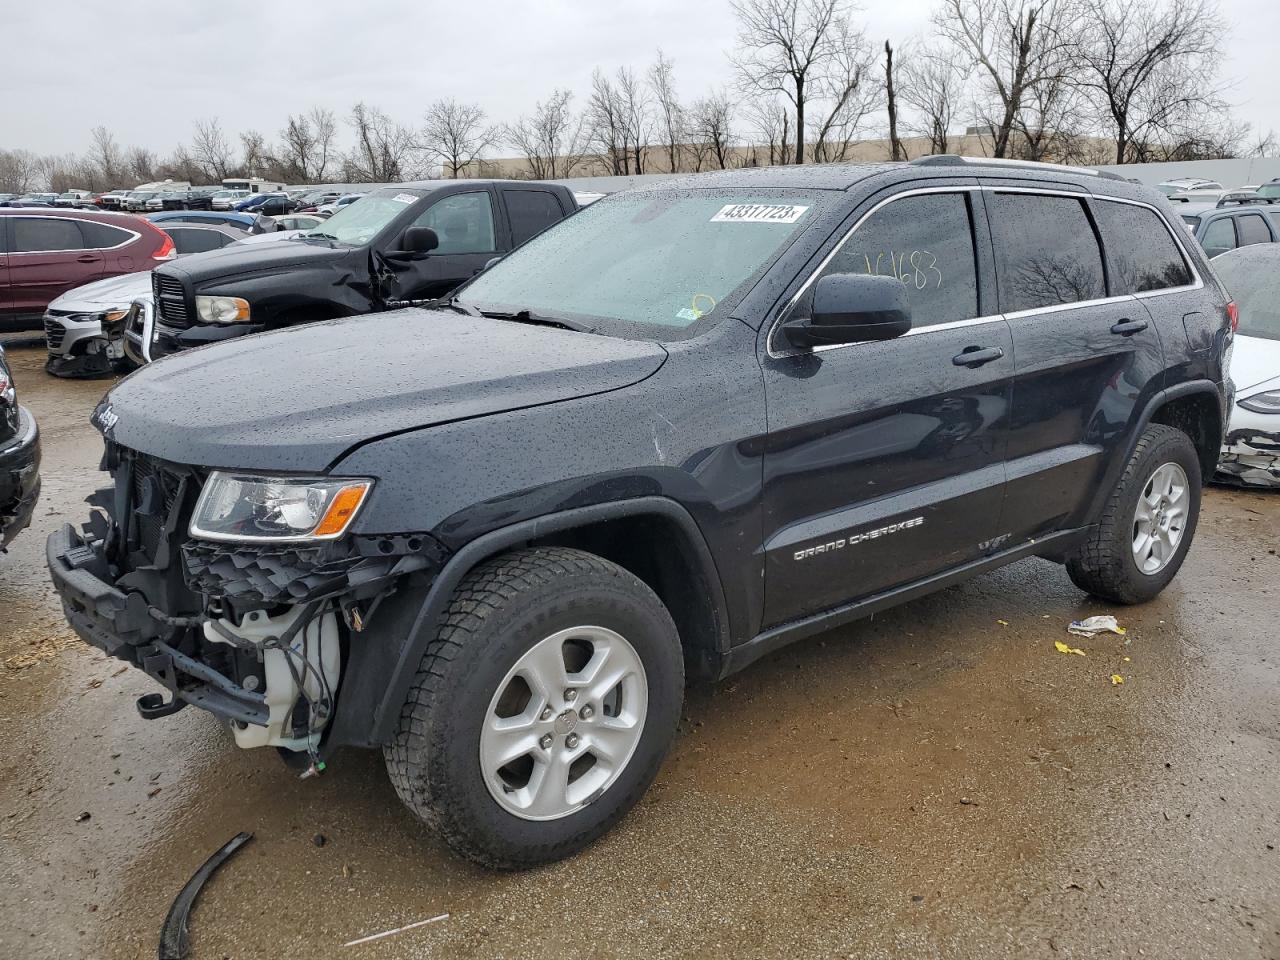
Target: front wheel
x=1147, y=523
x=541, y=710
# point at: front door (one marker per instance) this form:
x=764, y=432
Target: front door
x=885, y=461
x=464, y=222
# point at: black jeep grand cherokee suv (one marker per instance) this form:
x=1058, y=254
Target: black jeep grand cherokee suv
x=693, y=423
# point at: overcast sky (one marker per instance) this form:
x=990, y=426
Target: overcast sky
x=146, y=70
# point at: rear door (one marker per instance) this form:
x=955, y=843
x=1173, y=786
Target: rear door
x=1084, y=357
x=530, y=211
x=49, y=257
x=465, y=224
x=885, y=461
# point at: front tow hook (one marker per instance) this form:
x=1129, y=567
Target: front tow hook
x=152, y=706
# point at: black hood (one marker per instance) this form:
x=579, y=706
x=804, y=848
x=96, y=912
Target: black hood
x=251, y=258
x=297, y=399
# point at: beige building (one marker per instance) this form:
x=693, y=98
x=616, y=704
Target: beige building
x=693, y=160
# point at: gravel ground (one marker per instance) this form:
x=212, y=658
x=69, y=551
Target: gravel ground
x=938, y=781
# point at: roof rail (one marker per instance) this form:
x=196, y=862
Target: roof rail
x=951, y=160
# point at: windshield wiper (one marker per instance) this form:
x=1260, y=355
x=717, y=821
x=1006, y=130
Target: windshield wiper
x=528, y=316
x=453, y=303
x=315, y=233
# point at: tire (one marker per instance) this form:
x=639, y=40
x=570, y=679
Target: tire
x=1107, y=565
x=502, y=616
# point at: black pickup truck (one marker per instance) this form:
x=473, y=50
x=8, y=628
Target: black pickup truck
x=414, y=241
x=693, y=423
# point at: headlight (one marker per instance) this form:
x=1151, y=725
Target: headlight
x=1262, y=402
x=222, y=309
x=248, y=509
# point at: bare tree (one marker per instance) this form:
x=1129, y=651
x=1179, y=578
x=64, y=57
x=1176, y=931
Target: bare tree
x=1016, y=46
x=256, y=158
x=1151, y=65
x=771, y=122
x=307, y=145
x=711, y=123
x=895, y=145
x=617, y=120
x=551, y=139
x=670, y=114
x=636, y=121
x=141, y=164
x=846, y=91
x=606, y=128
x=932, y=86
x=456, y=135
x=107, y=155
x=18, y=171
x=1263, y=145
x=211, y=150
x=785, y=46
x=384, y=151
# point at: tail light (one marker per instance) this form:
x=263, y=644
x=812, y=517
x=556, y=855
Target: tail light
x=168, y=251
x=1233, y=314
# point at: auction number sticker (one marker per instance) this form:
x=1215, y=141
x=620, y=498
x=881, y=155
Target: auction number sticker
x=759, y=213
x=405, y=198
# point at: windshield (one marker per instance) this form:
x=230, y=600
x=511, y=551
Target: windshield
x=359, y=222
x=647, y=265
x=1268, y=190
x=1252, y=278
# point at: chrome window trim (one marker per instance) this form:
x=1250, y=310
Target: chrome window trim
x=133, y=235
x=1197, y=284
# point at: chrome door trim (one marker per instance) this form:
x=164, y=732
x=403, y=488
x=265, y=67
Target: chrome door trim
x=1198, y=281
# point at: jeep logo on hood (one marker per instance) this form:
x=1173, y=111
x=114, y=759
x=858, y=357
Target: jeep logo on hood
x=104, y=418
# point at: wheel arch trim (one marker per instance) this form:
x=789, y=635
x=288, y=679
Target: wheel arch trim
x=1144, y=420
x=497, y=541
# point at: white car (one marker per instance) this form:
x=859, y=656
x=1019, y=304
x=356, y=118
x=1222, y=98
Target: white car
x=298, y=221
x=84, y=328
x=329, y=209
x=226, y=199
x=1251, y=449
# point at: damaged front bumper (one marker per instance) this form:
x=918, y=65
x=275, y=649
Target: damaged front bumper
x=1250, y=456
x=263, y=636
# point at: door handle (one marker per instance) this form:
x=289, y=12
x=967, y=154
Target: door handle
x=1127, y=328
x=976, y=356
x=87, y=258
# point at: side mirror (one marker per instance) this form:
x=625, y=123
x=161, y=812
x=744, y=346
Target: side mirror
x=419, y=240
x=851, y=308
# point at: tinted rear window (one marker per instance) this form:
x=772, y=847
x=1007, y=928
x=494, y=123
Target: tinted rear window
x=189, y=240
x=1046, y=251
x=531, y=212
x=1143, y=253
x=1252, y=229
x=36, y=234
x=103, y=235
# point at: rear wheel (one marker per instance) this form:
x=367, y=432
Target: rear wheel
x=542, y=709
x=1147, y=523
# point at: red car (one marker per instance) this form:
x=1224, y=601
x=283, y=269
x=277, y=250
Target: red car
x=44, y=253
